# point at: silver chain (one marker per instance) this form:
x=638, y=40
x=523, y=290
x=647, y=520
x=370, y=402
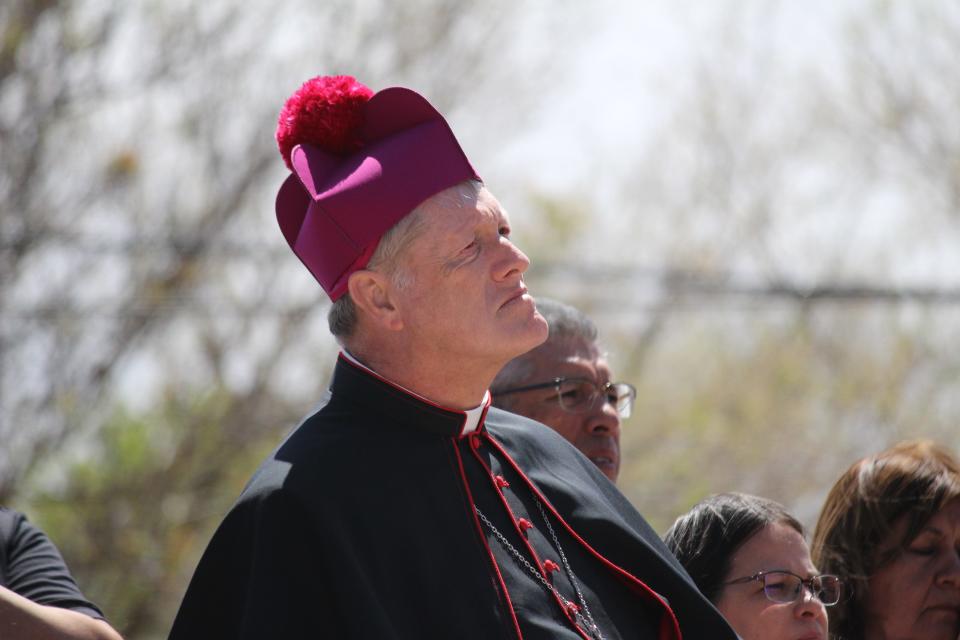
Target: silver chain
x=566, y=567
x=585, y=619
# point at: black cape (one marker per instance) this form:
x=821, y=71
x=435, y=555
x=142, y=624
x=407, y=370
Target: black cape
x=364, y=524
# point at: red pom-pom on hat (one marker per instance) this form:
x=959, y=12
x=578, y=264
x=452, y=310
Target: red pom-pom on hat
x=327, y=111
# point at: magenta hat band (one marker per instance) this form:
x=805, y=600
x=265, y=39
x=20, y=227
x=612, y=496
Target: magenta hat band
x=334, y=209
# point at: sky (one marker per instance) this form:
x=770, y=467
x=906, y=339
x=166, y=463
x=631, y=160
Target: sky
x=639, y=60
x=637, y=69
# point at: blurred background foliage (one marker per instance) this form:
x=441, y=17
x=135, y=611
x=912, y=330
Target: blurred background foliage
x=760, y=207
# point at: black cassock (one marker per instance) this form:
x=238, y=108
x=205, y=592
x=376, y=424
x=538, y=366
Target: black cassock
x=366, y=523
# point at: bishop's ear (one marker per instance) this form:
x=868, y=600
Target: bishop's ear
x=371, y=292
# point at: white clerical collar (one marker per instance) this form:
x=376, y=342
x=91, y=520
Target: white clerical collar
x=472, y=415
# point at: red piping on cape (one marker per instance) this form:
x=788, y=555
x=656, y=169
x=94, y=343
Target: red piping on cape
x=483, y=539
x=666, y=627
x=513, y=518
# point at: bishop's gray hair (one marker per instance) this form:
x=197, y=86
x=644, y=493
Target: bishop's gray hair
x=342, y=317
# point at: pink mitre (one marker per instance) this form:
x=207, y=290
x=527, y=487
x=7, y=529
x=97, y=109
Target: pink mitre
x=360, y=162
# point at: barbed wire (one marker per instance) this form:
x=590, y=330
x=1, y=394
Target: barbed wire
x=615, y=286
x=167, y=243
x=687, y=294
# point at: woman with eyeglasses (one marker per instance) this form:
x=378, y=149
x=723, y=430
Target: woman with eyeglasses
x=749, y=557
x=891, y=527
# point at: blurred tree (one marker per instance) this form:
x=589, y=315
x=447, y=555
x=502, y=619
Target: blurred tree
x=781, y=408
x=136, y=184
x=131, y=519
x=806, y=315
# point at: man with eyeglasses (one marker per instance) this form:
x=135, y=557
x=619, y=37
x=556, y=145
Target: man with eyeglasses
x=565, y=383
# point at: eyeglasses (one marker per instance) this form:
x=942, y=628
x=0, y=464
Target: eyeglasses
x=577, y=395
x=784, y=587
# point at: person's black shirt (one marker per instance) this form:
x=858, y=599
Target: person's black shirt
x=31, y=566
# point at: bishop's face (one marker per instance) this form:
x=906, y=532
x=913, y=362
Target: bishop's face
x=467, y=300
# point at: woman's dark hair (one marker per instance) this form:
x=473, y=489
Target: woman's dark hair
x=705, y=538
x=912, y=481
